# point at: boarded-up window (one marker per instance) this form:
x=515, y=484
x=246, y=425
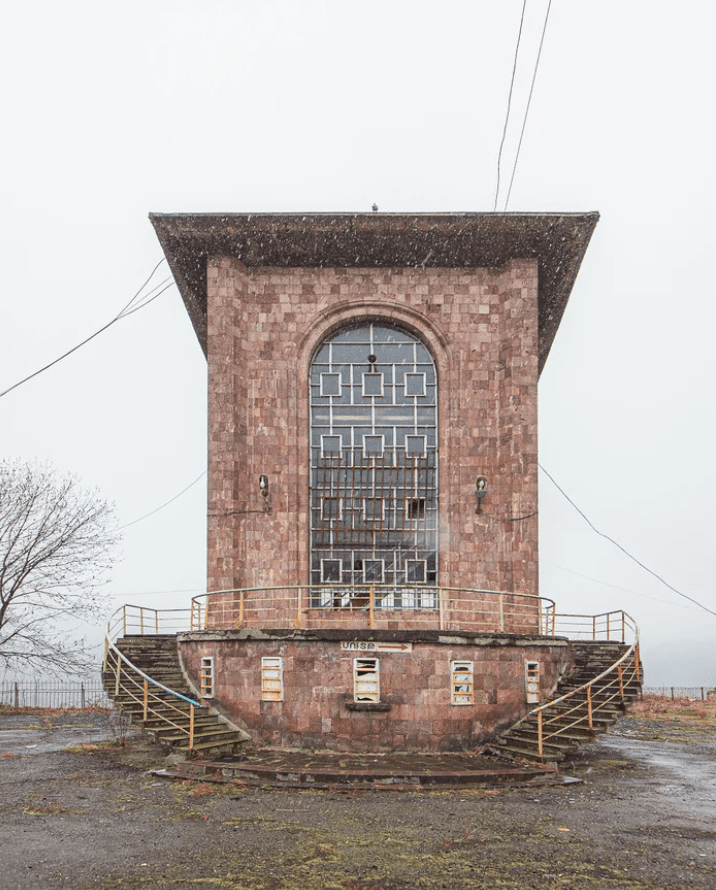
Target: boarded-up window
x=366, y=679
x=532, y=682
x=207, y=677
x=272, y=679
x=463, y=683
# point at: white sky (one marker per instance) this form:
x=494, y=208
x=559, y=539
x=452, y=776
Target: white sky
x=111, y=111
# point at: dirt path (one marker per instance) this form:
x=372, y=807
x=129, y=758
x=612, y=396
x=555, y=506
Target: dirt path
x=644, y=817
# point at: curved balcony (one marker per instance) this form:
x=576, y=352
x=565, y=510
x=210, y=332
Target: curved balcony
x=374, y=607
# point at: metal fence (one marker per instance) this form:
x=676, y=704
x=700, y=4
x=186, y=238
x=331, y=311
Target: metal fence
x=58, y=694
x=692, y=692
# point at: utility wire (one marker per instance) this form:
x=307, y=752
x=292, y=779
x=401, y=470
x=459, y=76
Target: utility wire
x=616, y=587
x=128, y=309
x=619, y=546
x=509, y=105
x=165, y=504
x=529, y=100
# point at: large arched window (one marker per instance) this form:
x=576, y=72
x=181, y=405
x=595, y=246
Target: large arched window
x=374, y=485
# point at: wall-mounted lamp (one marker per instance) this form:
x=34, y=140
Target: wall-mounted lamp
x=480, y=491
x=263, y=486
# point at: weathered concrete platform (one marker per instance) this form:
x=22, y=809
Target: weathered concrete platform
x=325, y=770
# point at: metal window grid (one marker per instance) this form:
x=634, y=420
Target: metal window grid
x=371, y=504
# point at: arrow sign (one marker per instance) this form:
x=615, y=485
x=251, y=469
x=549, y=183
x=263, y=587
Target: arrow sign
x=372, y=646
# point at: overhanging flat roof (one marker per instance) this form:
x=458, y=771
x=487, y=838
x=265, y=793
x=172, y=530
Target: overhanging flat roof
x=372, y=240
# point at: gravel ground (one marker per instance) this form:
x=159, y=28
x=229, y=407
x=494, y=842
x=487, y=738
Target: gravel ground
x=644, y=816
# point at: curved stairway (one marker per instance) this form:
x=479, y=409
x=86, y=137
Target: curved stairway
x=149, y=685
x=605, y=678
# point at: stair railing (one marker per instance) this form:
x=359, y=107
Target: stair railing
x=597, y=693
x=126, y=679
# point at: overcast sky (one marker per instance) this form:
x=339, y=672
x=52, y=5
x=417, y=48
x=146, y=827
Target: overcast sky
x=111, y=111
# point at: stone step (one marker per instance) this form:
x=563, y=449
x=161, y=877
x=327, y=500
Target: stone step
x=569, y=718
x=527, y=753
x=158, y=657
x=206, y=747
x=201, y=736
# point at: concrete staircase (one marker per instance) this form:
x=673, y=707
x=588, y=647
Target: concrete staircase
x=567, y=724
x=168, y=717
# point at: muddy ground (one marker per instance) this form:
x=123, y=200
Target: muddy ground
x=644, y=816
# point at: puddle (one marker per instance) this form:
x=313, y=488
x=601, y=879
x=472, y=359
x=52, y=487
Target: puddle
x=683, y=780
x=23, y=735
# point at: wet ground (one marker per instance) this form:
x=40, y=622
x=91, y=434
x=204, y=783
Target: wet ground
x=644, y=816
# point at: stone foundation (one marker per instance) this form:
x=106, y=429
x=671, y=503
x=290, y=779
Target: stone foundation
x=414, y=711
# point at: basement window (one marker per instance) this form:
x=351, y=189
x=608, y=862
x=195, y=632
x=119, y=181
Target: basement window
x=272, y=679
x=366, y=680
x=206, y=676
x=532, y=676
x=463, y=683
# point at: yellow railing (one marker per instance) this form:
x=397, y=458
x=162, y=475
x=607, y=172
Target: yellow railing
x=583, y=706
x=441, y=608
x=129, y=683
x=374, y=607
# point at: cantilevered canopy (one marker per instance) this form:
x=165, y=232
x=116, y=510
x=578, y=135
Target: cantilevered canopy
x=369, y=240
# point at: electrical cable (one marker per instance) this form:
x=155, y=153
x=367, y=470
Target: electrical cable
x=165, y=504
x=509, y=105
x=529, y=100
x=616, y=586
x=127, y=310
x=623, y=550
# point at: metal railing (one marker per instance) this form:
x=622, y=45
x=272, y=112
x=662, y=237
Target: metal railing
x=54, y=694
x=411, y=607
x=587, y=704
x=130, y=684
x=426, y=608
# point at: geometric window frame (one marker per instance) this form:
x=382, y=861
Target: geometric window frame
x=412, y=564
x=332, y=508
x=411, y=379
x=331, y=565
x=372, y=385
x=370, y=575
x=331, y=385
x=373, y=443
x=374, y=509
x=415, y=444
x=329, y=440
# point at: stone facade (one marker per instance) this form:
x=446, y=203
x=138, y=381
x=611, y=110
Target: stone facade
x=484, y=293
x=263, y=326
x=318, y=709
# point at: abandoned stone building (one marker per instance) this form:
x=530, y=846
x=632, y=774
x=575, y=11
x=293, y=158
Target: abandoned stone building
x=373, y=491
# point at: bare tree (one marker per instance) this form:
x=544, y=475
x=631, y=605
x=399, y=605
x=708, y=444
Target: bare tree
x=56, y=546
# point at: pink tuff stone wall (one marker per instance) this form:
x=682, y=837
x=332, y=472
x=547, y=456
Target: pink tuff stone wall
x=318, y=683
x=263, y=328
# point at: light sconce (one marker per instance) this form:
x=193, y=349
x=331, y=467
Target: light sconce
x=480, y=491
x=263, y=486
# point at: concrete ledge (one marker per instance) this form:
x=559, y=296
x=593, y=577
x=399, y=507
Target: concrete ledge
x=338, y=635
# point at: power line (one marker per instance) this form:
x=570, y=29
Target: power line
x=509, y=105
x=616, y=586
x=128, y=309
x=619, y=546
x=165, y=504
x=529, y=100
